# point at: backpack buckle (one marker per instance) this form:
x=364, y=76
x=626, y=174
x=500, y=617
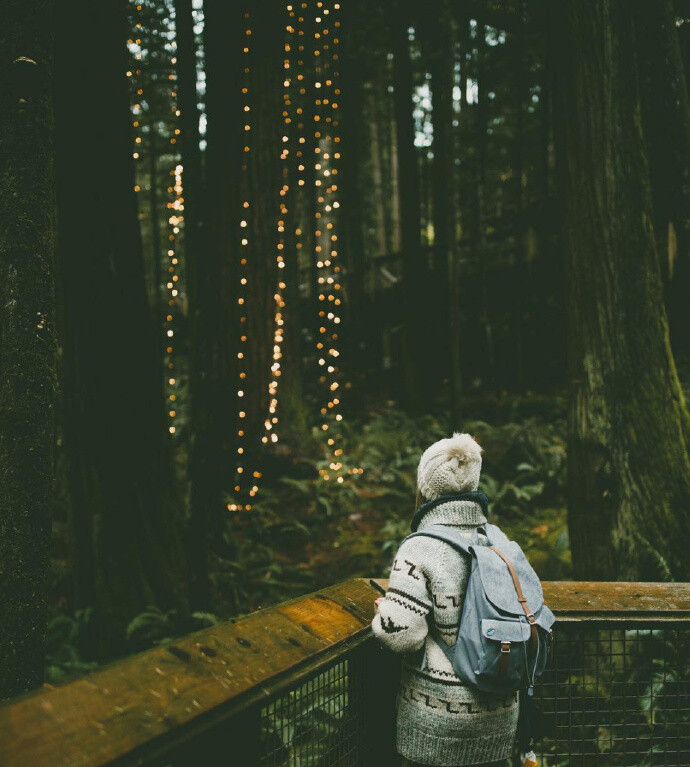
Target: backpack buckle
x=531, y=618
x=505, y=646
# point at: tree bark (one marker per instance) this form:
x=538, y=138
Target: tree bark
x=27, y=337
x=126, y=516
x=414, y=271
x=353, y=191
x=481, y=122
x=628, y=465
x=521, y=289
x=155, y=223
x=205, y=500
x=667, y=127
x=292, y=411
x=439, y=44
x=262, y=184
x=224, y=39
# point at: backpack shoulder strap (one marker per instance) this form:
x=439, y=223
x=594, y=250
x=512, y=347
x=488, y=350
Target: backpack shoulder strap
x=495, y=535
x=448, y=535
x=461, y=544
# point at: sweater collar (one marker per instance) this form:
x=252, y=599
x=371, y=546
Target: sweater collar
x=454, y=514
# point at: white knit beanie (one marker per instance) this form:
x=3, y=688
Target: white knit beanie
x=449, y=466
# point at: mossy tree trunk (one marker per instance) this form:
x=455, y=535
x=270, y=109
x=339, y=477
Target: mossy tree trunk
x=628, y=465
x=666, y=107
x=27, y=337
x=126, y=515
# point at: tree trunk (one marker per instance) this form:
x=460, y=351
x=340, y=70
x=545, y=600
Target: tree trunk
x=126, y=516
x=481, y=121
x=438, y=42
x=381, y=217
x=292, y=411
x=262, y=183
x=224, y=39
x=628, y=465
x=414, y=271
x=27, y=338
x=205, y=501
x=520, y=293
x=155, y=223
x=667, y=126
x=353, y=191
x=293, y=414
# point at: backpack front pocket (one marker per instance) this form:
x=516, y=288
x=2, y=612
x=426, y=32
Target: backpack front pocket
x=504, y=652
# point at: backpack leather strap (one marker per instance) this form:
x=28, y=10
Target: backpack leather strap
x=534, y=641
x=504, y=660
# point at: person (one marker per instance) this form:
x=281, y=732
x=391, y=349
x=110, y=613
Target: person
x=440, y=720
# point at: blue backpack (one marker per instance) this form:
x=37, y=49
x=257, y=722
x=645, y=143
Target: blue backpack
x=505, y=631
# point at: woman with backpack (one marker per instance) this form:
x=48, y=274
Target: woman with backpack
x=441, y=719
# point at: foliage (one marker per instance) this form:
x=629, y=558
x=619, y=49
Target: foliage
x=64, y=636
x=153, y=626
x=68, y=635
x=304, y=533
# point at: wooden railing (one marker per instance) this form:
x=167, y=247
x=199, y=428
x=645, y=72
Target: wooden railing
x=246, y=692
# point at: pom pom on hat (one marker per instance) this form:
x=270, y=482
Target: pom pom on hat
x=449, y=466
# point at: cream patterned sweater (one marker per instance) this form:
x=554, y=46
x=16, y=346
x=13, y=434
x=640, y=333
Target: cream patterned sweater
x=440, y=721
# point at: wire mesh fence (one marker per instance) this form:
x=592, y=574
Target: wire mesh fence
x=618, y=695
x=615, y=695
x=318, y=724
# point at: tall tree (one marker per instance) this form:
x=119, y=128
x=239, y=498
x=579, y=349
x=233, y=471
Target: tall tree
x=628, y=464
x=354, y=198
x=126, y=516
x=261, y=184
x=478, y=224
x=27, y=337
x=667, y=127
x=293, y=414
x=521, y=292
x=414, y=268
x=224, y=40
x=205, y=501
x=438, y=41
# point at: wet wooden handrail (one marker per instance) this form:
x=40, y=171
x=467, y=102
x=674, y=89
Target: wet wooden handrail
x=112, y=713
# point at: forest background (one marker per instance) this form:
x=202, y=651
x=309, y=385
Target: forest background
x=255, y=257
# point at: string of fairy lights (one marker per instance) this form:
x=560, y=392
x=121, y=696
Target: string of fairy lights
x=175, y=207
x=243, y=276
x=175, y=201
x=312, y=132
x=271, y=422
x=326, y=159
x=297, y=32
